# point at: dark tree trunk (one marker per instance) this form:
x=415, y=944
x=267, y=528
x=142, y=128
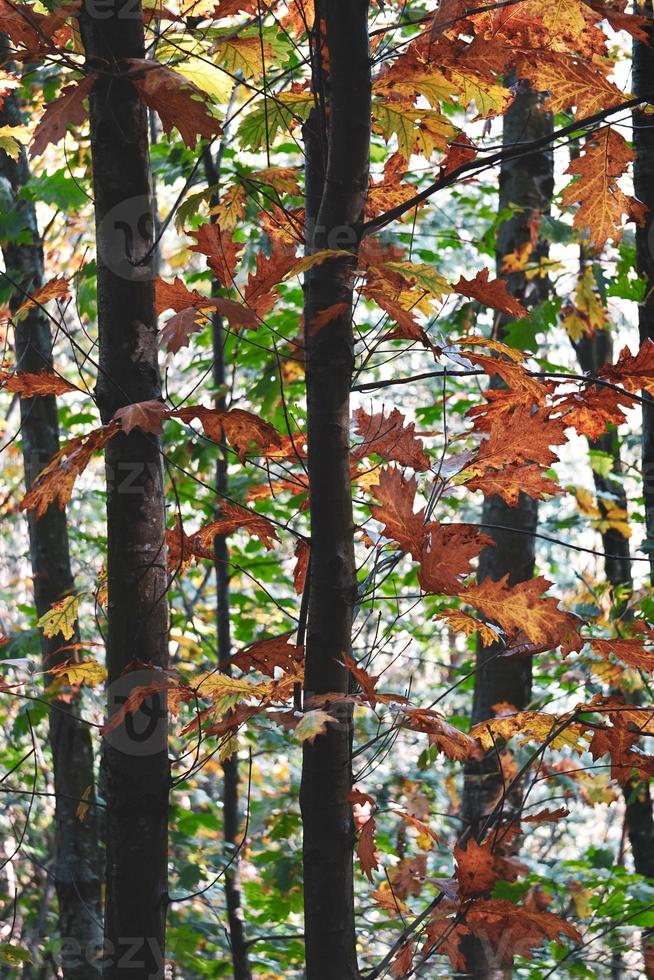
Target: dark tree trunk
x=526, y=185
x=336, y=188
x=136, y=757
x=640, y=822
x=77, y=859
x=643, y=81
x=231, y=812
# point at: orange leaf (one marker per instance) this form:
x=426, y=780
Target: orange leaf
x=221, y=250
x=241, y=429
x=475, y=868
x=491, y=293
x=55, y=483
x=303, y=555
x=30, y=385
x=522, y=609
x=396, y=495
x=236, y=518
x=266, y=655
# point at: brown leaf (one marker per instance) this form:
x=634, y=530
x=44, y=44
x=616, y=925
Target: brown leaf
x=31, y=385
x=147, y=416
x=177, y=101
x=67, y=110
x=366, y=849
x=602, y=204
x=243, y=430
x=389, y=437
x=236, y=518
x=303, y=555
x=221, y=250
x=522, y=609
x=491, y=293
x=475, y=868
x=395, y=495
x=446, y=556
x=55, y=483
x=266, y=655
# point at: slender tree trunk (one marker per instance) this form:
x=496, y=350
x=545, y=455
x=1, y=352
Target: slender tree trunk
x=643, y=80
x=77, y=859
x=336, y=189
x=231, y=810
x=640, y=824
x=136, y=757
x=526, y=185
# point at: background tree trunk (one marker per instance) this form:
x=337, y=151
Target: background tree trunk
x=526, y=185
x=77, y=859
x=137, y=769
x=230, y=766
x=335, y=223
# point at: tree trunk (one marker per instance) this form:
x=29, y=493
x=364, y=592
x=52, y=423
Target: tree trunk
x=527, y=185
x=77, y=859
x=643, y=80
x=137, y=769
x=336, y=189
x=640, y=824
x=231, y=813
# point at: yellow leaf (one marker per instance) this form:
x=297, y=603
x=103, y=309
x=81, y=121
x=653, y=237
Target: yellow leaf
x=312, y=724
x=61, y=617
x=83, y=806
x=88, y=672
x=309, y=261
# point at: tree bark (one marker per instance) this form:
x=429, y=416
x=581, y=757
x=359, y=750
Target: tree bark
x=527, y=186
x=77, y=859
x=640, y=823
x=230, y=766
x=136, y=757
x=643, y=141
x=336, y=189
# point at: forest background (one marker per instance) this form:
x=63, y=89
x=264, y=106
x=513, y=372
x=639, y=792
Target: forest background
x=327, y=489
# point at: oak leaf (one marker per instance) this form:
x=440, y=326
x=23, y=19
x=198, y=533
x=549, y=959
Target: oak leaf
x=490, y=292
x=32, y=385
x=602, y=204
x=312, y=724
x=395, y=495
x=266, y=655
x=236, y=518
x=633, y=372
x=221, y=250
x=447, y=552
x=66, y=110
x=61, y=618
x=57, y=288
x=243, y=430
x=88, y=672
x=147, y=416
x=522, y=609
x=388, y=436
x=55, y=483
x=475, y=868
x=177, y=101
x=512, y=480
x=366, y=848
